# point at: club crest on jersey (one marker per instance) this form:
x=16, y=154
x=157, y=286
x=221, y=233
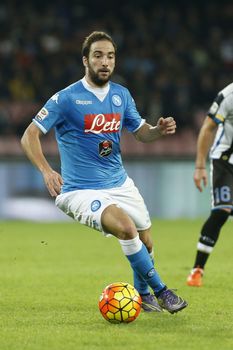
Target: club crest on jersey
x=95, y=205
x=43, y=113
x=116, y=100
x=102, y=123
x=105, y=148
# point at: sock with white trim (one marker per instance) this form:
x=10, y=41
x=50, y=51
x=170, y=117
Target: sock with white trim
x=209, y=236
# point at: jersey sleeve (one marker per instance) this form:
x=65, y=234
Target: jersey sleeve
x=52, y=112
x=132, y=119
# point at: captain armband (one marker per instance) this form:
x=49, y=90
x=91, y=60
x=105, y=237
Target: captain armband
x=213, y=111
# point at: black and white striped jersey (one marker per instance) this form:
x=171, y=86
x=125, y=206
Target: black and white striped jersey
x=221, y=111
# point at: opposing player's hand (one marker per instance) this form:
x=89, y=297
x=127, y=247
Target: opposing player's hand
x=166, y=126
x=53, y=181
x=200, y=176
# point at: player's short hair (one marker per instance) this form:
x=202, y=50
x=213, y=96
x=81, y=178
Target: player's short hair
x=92, y=38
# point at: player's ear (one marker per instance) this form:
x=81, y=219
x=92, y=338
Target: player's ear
x=85, y=61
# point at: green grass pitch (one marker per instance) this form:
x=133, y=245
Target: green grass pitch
x=51, y=276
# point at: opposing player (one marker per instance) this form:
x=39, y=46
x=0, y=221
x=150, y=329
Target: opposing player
x=94, y=189
x=217, y=130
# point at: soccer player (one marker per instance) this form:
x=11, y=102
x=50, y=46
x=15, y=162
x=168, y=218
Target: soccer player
x=94, y=189
x=216, y=131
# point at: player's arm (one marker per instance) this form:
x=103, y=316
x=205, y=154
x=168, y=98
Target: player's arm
x=32, y=147
x=148, y=133
x=204, y=142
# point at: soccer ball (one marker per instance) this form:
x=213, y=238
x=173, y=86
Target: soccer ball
x=120, y=302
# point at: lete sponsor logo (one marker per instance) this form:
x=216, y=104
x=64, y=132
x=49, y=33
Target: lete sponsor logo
x=102, y=123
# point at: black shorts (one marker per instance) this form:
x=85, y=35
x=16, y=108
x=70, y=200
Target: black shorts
x=221, y=173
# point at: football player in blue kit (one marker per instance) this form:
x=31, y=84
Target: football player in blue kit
x=94, y=188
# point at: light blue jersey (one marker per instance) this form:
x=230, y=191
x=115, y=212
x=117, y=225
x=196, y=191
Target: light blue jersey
x=88, y=131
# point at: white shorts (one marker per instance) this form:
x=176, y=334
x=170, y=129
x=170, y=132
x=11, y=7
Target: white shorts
x=86, y=206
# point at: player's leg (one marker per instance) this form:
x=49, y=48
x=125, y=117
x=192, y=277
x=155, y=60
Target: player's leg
x=222, y=199
x=99, y=210
x=115, y=221
x=209, y=235
x=129, y=199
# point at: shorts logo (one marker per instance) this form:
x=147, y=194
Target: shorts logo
x=95, y=205
x=116, y=100
x=43, y=113
x=151, y=272
x=105, y=148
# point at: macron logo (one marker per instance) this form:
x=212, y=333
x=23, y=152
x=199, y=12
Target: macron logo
x=81, y=102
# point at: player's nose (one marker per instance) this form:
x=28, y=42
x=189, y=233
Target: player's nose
x=105, y=61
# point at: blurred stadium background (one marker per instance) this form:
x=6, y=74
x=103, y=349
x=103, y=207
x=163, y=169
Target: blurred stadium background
x=173, y=56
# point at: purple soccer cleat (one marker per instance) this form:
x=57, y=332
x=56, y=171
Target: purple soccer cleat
x=150, y=304
x=171, y=302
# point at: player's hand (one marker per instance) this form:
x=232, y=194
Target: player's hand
x=53, y=182
x=166, y=126
x=200, y=176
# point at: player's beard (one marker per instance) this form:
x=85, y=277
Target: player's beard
x=96, y=78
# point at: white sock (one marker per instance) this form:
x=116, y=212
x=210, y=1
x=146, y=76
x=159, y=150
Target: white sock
x=131, y=246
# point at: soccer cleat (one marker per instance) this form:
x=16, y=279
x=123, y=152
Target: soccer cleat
x=171, y=302
x=149, y=303
x=195, y=277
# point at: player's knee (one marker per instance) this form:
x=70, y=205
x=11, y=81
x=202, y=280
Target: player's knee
x=128, y=231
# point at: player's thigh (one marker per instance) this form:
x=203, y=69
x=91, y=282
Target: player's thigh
x=85, y=206
x=222, y=184
x=98, y=210
x=130, y=200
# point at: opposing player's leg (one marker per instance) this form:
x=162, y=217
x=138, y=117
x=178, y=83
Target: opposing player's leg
x=115, y=221
x=222, y=204
x=208, y=239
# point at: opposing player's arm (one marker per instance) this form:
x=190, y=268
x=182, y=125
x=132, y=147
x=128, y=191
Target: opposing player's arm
x=148, y=133
x=32, y=147
x=204, y=142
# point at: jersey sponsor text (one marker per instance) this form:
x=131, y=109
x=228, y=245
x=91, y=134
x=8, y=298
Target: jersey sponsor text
x=102, y=123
